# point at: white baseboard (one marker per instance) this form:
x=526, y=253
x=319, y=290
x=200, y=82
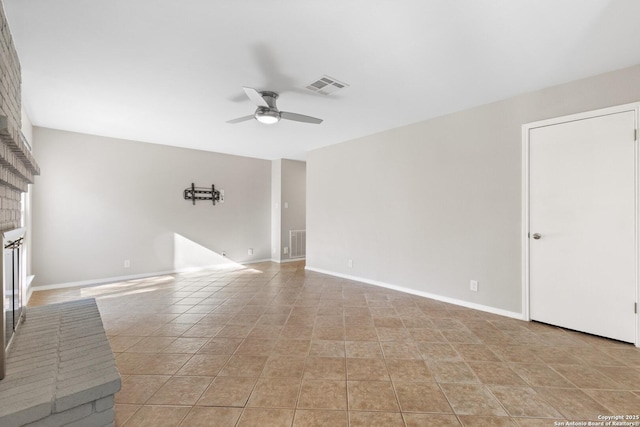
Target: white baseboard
x=95, y=282
x=281, y=261
x=462, y=303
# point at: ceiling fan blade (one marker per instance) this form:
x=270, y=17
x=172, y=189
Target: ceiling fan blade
x=241, y=119
x=255, y=96
x=299, y=117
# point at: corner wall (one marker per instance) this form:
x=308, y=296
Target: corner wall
x=294, y=200
x=288, y=204
x=276, y=216
x=102, y=201
x=430, y=206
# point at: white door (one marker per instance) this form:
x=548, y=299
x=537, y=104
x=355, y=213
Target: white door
x=582, y=225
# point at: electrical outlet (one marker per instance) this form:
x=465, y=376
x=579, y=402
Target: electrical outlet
x=221, y=196
x=250, y=251
x=286, y=205
x=350, y=263
x=127, y=263
x=286, y=249
x=473, y=285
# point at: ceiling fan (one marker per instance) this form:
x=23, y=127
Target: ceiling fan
x=267, y=111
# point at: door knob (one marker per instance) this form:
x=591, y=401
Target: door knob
x=536, y=236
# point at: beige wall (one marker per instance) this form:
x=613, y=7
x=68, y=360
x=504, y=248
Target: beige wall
x=288, y=204
x=294, y=203
x=430, y=206
x=100, y=201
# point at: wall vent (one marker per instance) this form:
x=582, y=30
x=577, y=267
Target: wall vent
x=326, y=85
x=298, y=243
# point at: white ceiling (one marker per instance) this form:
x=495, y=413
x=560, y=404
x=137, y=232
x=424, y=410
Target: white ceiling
x=171, y=72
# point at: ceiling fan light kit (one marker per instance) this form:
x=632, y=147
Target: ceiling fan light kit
x=267, y=116
x=267, y=111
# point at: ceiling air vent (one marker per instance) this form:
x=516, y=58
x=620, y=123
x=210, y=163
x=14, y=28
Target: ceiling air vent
x=326, y=85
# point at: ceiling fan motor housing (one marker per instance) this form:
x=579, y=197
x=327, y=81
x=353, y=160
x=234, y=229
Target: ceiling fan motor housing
x=270, y=98
x=269, y=115
x=267, y=111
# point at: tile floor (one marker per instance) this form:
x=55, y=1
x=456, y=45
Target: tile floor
x=273, y=345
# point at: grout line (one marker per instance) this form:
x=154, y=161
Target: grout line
x=234, y=293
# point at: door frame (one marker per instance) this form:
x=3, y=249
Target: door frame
x=526, y=128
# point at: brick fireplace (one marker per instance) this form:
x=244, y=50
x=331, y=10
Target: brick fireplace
x=59, y=369
x=17, y=170
x=17, y=165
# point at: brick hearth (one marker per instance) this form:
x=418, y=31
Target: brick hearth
x=60, y=370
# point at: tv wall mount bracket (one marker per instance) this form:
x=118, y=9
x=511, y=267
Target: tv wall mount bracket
x=194, y=193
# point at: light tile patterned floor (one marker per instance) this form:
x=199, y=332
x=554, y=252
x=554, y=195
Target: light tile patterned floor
x=273, y=345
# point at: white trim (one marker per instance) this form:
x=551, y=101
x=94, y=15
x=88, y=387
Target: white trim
x=436, y=297
x=637, y=212
x=95, y=282
x=254, y=261
x=29, y=289
x=526, y=128
x=281, y=261
x=525, y=224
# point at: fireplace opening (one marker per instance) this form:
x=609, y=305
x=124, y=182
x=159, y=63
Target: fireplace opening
x=13, y=297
